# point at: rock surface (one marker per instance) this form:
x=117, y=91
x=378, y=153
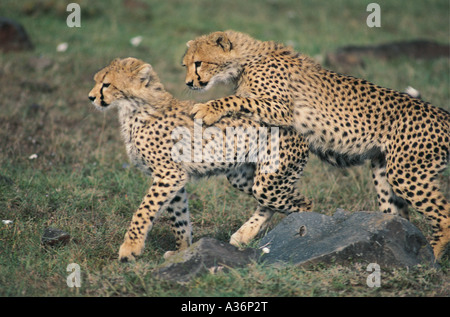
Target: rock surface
x=311, y=238
x=370, y=237
x=206, y=255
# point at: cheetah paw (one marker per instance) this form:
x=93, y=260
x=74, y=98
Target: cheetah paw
x=205, y=112
x=239, y=240
x=168, y=254
x=236, y=239
x=129, y=251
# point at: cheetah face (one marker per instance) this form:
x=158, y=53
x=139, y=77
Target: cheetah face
x=103, y=94
x=209, y=60
x=123, y=78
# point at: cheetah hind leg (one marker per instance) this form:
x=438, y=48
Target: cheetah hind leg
x=439, y=217
x=442, y=246
x=426, y=197
x=243, y=179
x=388, y=202
x=178, y=211
x=249, y=230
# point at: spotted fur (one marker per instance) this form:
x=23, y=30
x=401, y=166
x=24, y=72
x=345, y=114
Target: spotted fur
x=345, y=120
x=148, y=115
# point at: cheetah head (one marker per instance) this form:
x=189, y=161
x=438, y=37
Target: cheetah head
x=122, y=79
x=208, y=60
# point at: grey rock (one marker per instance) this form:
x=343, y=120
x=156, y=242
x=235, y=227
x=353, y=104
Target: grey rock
x=206, y=255
x=368, y=237
x=54, y=236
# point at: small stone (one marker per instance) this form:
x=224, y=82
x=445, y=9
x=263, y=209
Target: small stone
x=13, y=36
x=412, y=92
x=54, y=236
x=62, y=47
x=136, y=41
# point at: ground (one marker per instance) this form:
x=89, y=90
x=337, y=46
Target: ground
x=81, y=182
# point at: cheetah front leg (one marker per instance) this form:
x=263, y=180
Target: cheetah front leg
x=267, y=110
x=160, y=194
x=249, y=230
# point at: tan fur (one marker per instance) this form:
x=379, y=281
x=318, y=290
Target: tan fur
x=148, y=115
x=345, y=120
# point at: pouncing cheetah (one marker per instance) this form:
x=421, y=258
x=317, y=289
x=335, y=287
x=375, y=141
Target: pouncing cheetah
x=345, y=120
x=157, y=130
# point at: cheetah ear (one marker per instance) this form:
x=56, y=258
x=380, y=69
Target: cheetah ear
x=221, y=39
x=145, y=73
x=189, y=43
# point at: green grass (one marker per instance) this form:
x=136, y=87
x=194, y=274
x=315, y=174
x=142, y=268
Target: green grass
x=79, y=183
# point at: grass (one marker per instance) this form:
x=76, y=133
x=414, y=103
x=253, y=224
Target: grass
x=80, y=181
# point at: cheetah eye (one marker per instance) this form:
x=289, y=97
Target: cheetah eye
x=198, y=64
x=106, y=85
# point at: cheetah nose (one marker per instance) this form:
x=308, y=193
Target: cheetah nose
x=190, y=83
x=91, y=98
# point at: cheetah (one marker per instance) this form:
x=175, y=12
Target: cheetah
x=152, y=122
x=345, y=120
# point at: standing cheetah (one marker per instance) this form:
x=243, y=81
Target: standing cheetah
x=345, y=120
x=151, y=120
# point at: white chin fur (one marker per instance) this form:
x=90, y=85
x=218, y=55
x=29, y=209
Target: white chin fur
x=101, y=108
x=219, y=79
x=97, y=107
